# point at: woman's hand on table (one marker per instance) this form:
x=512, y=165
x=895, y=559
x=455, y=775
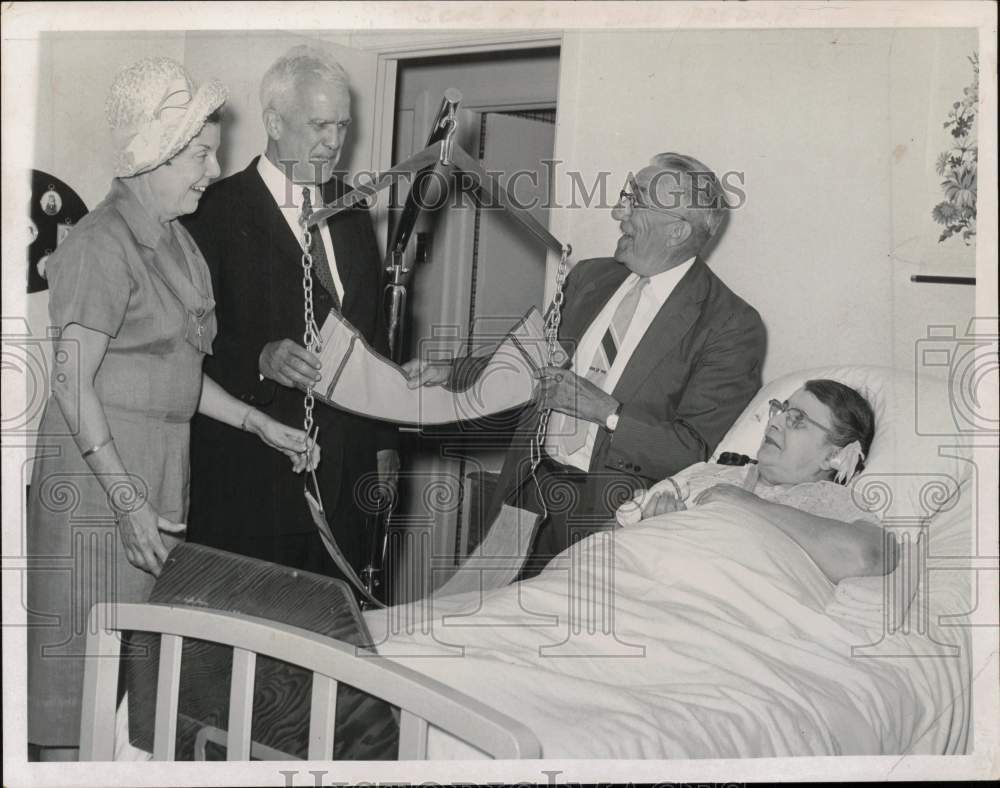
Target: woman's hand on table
x=293, y=443
x=139, y=531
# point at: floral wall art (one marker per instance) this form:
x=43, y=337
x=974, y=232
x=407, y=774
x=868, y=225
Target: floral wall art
x=934, y=151
x=958, y=165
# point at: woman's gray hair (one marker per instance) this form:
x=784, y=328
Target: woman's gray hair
x=706, y=200
x=277, y=88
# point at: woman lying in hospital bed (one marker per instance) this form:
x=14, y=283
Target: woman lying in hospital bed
x=813, y=445
x=712, y=625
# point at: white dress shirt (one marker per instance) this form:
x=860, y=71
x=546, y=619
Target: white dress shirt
x=651, y=300
x=288, y=197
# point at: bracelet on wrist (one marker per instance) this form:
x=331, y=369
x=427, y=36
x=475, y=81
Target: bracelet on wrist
x=125, y=499
x=243, y=424
x=94, y=449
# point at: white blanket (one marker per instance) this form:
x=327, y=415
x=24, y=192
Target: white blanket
x=699, y=634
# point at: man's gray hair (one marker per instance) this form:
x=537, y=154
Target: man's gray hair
x=277, y=88
x=706, y=201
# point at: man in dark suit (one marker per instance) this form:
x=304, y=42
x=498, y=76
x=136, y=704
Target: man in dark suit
x=248, y=229
x=664, y=358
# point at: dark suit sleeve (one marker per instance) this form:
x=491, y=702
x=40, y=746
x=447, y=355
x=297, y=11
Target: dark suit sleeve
x=722, y=382
x=239, y=375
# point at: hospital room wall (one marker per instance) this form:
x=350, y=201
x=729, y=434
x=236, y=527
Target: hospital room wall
x=75, y=72
x=240, y=58
x=807, y=117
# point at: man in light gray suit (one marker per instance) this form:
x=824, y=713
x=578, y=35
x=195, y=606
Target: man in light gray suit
x=664, y=358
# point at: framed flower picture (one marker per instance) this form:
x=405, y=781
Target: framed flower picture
x=934, y=155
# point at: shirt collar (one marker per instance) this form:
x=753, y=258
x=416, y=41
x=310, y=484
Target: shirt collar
x=147, y=230
x=285, y=193
x=661, y=285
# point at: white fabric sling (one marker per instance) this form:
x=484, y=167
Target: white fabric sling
x=355, y=378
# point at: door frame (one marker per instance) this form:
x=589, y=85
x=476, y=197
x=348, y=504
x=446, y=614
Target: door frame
x=383, y=126
x=383, y=129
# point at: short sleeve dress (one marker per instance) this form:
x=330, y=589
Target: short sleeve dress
x=115, y=273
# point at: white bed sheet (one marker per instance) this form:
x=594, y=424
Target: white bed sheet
x=721, y=649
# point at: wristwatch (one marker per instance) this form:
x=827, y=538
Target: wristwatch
x=611, y=422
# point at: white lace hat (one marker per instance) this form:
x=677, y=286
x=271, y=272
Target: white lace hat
x=154, y=111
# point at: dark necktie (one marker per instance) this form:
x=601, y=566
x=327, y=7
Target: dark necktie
x=321, y=266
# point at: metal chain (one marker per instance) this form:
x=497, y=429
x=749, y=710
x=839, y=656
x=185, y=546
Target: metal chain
x=310, y=337
x=555, y=352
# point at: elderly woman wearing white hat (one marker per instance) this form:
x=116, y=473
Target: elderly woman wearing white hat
x=132, y=297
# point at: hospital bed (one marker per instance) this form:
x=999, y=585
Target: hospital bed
x=690, y=652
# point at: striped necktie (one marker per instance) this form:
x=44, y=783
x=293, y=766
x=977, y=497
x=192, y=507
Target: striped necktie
x=570, y=432
x=321, y=266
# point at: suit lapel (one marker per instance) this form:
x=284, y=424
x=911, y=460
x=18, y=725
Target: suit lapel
x=587, y=303
x=669, y=326
x=344, y=244
x=269, y=225
x=344, y=255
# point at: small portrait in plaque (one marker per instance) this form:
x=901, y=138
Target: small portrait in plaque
x=51, y=202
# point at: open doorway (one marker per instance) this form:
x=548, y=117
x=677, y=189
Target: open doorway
x=463, y=252
x=474, y=272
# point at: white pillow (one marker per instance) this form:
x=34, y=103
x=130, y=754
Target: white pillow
x=908, y=473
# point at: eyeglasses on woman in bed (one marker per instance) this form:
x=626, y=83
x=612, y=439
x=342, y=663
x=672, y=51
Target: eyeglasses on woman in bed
x=795, y=418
